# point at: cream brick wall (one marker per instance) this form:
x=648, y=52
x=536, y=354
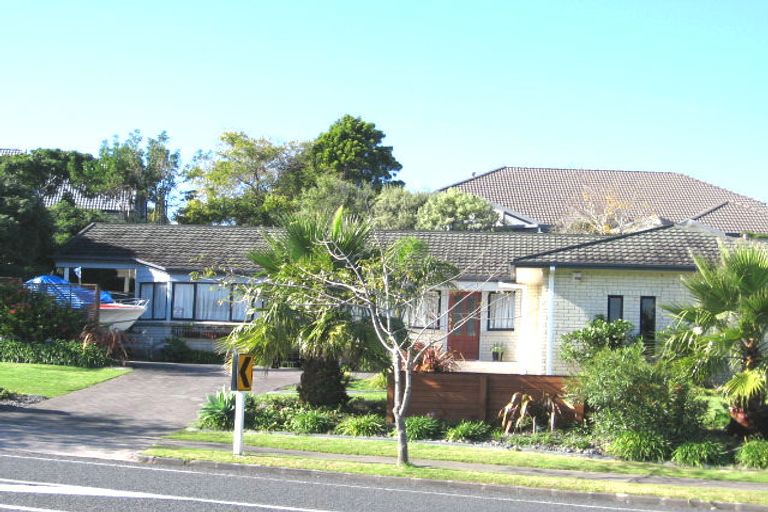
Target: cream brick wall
x=579, y=301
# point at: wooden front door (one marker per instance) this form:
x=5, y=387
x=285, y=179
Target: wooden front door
x=464, y=324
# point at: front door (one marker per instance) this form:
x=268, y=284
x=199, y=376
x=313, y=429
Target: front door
x=464, y=324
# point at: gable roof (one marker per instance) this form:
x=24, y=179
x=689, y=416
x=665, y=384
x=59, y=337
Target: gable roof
x=10, y=152
x=550, y=195
x=184, y=248
x=122, y=203
x=664, y=247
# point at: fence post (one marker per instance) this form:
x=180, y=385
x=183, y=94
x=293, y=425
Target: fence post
x=483, y=398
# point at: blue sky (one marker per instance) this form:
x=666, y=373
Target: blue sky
x=457, y=87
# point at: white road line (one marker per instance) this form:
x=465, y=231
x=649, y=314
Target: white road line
x=56, y=489
x=138, y=467
x=28, y=509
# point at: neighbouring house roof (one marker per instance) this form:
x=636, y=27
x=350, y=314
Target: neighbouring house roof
x=10, y=152
x=122, y=203
x=551, y=195
x=184, y=248
x=665, y=247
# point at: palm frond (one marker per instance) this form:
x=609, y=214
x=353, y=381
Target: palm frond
x=745, y=385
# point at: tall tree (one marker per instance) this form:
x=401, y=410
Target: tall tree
x=149, y=173
x=724, y=331
x=45, y=170
x=246, y=181
x=353, y=150
x=331, y=192
x=68, y=219
x=397, y=208
x=25, y=228
x=454, y=210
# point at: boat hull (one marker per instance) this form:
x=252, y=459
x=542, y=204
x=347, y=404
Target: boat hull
x=119, y=316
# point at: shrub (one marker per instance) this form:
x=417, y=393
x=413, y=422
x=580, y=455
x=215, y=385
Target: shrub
x=469, y=431
x=36, y=317
x=423, y=427
x=218, y=411
x=368, y=425
x=699, y=453
x=270, y=412
x=434, y=360
x=639, y=446
x=362, y=405
x=582, y=345
x=176, y=350
x=6, y=394
x=626, y=392
x=312, y=421
x=753, y=454
x=65, y=353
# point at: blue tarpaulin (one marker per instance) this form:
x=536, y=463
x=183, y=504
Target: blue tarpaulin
x=65, y=292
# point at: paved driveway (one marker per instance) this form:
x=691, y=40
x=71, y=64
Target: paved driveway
x=116, y=418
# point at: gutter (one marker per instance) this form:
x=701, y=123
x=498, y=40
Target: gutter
x=550, y=322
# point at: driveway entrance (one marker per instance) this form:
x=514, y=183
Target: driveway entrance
x=119, y=417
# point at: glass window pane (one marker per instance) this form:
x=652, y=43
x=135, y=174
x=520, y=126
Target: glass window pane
x=160, y=301
x=145, y=292
x=212, y=302
x=648, y=319
x=426, y=312
x=501, y=311
x=183, y=301
x=615, y=307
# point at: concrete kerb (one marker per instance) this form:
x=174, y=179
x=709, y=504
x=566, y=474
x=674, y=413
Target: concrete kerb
x=514, y=491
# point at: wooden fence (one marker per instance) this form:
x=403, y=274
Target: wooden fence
x=472, y=396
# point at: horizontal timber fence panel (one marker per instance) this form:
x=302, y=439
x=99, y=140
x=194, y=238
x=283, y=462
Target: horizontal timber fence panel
x=473, y=396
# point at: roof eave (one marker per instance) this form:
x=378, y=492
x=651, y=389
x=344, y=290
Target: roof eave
x=631, y=266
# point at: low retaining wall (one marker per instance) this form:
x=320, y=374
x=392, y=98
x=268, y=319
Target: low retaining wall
x=472, y=396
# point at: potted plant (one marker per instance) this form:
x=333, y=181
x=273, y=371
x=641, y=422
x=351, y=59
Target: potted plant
x=497, y=352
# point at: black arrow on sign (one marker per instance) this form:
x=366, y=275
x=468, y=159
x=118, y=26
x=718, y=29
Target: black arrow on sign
x=245, y=362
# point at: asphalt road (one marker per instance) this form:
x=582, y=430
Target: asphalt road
x=40, y=483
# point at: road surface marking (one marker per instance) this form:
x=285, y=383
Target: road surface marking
x=328, y=484
x=28, y=509
x=56, y=489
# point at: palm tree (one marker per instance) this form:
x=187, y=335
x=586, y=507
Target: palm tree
x=723, y=333
x=321, y=337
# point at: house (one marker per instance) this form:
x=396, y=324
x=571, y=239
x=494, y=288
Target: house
x=543, y=198
x=519, y=290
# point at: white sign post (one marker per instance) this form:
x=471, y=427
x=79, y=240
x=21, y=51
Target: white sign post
x=237, y=437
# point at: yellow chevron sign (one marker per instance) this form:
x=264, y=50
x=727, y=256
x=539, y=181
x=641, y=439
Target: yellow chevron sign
x=242, y=372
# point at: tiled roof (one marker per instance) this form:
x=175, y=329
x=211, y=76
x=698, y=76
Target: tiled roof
x=191, y=247
x=668, y=247
x=10, y=152
x=550, y=195
x=120, y=204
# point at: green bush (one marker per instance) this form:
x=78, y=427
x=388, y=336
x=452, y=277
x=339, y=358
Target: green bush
x=312, y=421
x=6, y=394
x=36, y=317
x=753, y=454
x=176, y=350
x=639, y=446
x=582, y=345
x=469, y=431
x=574, y=440
x=218, y=411
x=65, y=353
x=368, y=425
x=423, y=427
x=270, y=412
x=700, y=453
x=362, y=405
x=627, y=392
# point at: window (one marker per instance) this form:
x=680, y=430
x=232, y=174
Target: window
x=212, y=302
x=155, y=293
x=426, y=313
x=183, y=302
x=501, y=311
x=615, y=307
x=648, y=320
x=240, y=311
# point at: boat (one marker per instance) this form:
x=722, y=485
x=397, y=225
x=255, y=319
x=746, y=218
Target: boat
x=119, y=314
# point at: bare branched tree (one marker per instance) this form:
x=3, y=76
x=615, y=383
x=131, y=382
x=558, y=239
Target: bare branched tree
x=605, y=212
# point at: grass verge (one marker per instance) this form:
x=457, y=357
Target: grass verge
x=51, y=380
x=429, y=473
x=498, y=456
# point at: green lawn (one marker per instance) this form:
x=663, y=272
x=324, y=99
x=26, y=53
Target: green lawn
x=366, y=388
x=50, y=380
x=431, y=473
x=498, y=456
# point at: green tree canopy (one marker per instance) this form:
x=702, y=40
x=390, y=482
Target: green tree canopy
x=148, y=172
x=397, y=208
x=246, y=181
x=68, y=219
x=331, y=192
x=352, y=149
x=454, y=210
x=25, y=228
x=45, y=170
